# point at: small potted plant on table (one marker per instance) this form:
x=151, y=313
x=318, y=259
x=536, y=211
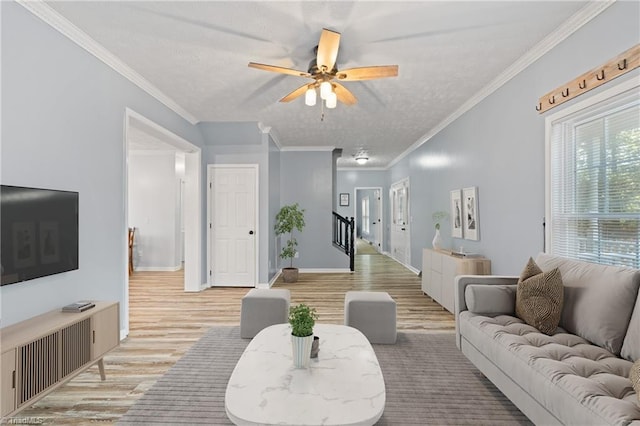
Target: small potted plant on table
x=302, y=319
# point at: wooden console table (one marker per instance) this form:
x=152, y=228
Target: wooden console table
x=439, y=270
x=45, y=351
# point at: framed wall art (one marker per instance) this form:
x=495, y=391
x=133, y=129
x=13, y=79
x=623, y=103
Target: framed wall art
x=344, y=199
x=471, y=225
x=456, y=214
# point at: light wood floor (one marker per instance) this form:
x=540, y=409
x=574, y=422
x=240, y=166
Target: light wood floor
x=165, y=322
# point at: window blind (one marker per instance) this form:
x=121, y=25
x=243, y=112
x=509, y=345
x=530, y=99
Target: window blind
x=595, y=182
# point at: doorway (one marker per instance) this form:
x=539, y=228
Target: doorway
x=400, y=241
x=368, y=216
x=143, y=134
x=232, y=237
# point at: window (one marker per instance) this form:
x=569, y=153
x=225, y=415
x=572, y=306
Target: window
x=365, y=215
x=593, y=179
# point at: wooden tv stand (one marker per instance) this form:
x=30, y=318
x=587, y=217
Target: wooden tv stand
x=43, y=352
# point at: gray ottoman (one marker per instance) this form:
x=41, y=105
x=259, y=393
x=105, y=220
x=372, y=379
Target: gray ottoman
x=373, y=313
x=262, y=308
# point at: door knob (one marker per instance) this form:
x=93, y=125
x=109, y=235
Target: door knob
x=250, y=232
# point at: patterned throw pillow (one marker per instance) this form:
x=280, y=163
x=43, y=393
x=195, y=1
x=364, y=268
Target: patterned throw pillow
x=634, y=375
x=539, y=297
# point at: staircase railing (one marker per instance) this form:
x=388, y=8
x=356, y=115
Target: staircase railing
x=343, y=237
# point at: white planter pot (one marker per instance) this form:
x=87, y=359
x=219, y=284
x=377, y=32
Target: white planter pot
x=301, y=349
x=437, y=240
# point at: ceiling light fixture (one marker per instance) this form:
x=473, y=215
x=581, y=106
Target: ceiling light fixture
x=310, y=96
x=362, y=159
x=325, y=89
x=332, y=100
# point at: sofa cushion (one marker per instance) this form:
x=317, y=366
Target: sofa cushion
x=490, y=299
x=539, y=297
x=598, y=299
x=579, y=383
x=634, y=376
x=631, y=345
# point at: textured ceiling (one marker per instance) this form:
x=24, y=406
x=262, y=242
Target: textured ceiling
x=197, y=54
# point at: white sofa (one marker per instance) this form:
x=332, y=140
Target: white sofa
x=580, y=374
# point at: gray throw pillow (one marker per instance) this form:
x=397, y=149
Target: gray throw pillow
x=539, y=297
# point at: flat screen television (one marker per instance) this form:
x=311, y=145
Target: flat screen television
x=38, y=232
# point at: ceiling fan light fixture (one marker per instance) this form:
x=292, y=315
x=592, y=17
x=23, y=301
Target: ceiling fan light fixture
x=325, y=89
x=310, y=96
x=362, y=159
x=332, y=100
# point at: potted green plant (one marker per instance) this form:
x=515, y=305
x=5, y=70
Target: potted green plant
x=289, y=218
x=302, y=319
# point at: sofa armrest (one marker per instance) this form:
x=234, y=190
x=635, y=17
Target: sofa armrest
x=461, y=283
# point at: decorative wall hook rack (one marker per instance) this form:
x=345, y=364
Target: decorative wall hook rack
x=620, y=65
x=624, y=64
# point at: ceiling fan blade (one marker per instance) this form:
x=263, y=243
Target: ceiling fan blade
x=343, y=94
x=368, y=73
x=296, y=93
x=281, y=70
x=328, y=49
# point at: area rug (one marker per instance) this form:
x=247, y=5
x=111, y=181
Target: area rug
x=428, y=382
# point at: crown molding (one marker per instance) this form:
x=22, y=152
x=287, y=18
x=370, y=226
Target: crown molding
x=362, y=169
x=263, y=127
x=571, y=25
x=307, y=148
x=43, y=11
x=269, y=130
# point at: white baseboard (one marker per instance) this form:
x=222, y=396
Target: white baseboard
x=412, y=269
x=275, y=277
x=203, y=286
x=158, y=268
x=123, y=334
x=409, y=267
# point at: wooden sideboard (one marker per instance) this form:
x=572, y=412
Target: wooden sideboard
x=439, y=269
x=43, y=352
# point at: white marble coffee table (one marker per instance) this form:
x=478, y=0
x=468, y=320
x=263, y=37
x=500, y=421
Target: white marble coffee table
x=343, y=386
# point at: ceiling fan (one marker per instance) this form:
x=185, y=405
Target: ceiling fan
x=326, y=76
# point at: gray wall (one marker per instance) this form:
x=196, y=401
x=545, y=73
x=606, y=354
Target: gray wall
x=498, y=146
x=306, y=178
x=62, y=127
x=153, y=209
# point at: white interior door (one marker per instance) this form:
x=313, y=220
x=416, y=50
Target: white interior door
x=400, y=235
x=232, y=241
